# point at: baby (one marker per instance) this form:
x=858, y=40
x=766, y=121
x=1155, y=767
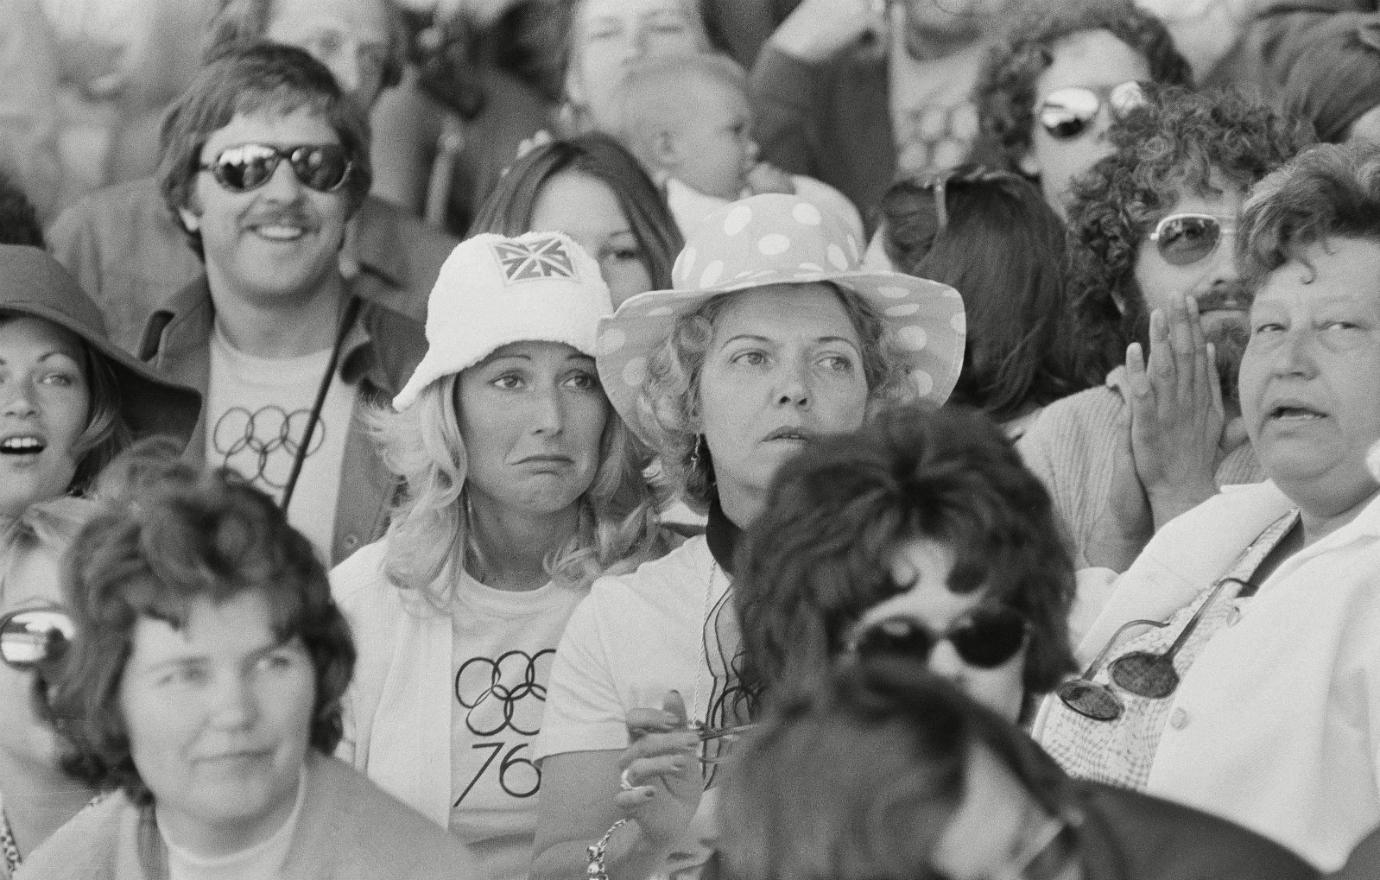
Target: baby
x=687, y=120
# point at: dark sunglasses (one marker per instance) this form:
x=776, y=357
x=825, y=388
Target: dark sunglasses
x=1068, y=112
x=1183, y=239
x=244, y=167
x=984, y=637
x=29, y=638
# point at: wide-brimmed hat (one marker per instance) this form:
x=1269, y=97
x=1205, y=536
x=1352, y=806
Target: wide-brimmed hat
x=33, y=283
x=781, y=239
x=493, y=290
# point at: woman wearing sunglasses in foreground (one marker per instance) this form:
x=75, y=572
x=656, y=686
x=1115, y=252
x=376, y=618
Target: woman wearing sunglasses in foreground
x=69, y=402
x=1234, y=666
x=203, y=681
x=883, y=772
x=923, y=536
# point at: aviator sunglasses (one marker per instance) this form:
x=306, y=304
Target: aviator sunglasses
x=984, y=637
x=244, y=167
x=1183, y=239
x=31, y=637
x=1068, y=112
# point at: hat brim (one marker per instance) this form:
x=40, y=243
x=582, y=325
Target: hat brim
x=149, y=404
x=927, y=320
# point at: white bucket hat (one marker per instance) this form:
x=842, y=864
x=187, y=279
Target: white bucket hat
x=780, y=239
x=493, y=290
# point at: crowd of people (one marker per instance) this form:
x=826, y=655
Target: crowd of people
x=737, y=439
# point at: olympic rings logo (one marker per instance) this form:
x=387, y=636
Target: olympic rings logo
x=262, y=445
x=507, y=693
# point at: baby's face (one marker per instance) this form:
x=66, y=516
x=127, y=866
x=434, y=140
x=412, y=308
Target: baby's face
x=716, y=146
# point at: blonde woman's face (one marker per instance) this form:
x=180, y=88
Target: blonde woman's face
x=532, y=416
x=609, y=35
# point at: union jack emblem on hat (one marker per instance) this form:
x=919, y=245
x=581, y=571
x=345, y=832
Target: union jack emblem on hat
x=494, y=290
x=528, y=260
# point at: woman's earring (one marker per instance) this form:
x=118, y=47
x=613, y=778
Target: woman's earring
x=695, y=452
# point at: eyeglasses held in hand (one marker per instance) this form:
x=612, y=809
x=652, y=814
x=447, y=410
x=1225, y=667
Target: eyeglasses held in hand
x=984, y=637
x=245, y=167
x=722, y=737
x=1068, y=112
x=30, y=637
x=1184, y=239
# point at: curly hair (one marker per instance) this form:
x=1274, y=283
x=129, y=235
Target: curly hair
x=1327, y=191
x=878, y=739
x=819, y=555
x=169, y=538
x=263, y=78
x=508, y=209
x=430, y=532
x=668, y=402
x=1005, y=87
x=1018, y=353
x=1178, y=142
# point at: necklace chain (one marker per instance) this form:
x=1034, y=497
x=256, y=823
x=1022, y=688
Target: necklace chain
x=703, y=674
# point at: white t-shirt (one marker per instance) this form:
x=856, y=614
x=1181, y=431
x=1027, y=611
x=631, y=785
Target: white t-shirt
x=256, y=415
x=636, y=637
x=501, y=658
x=262, y=860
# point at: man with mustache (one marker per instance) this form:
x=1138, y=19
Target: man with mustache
x=265, y=160
x=1160, y=308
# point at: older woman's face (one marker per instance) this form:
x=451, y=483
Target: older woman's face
x=44, y=402
x=920, y=569
x=219, y=716
x=1310, y=373
x=586, y=209
x=784, y=366
x=609, y=35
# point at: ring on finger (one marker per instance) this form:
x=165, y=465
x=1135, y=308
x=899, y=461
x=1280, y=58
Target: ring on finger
x=624, y=782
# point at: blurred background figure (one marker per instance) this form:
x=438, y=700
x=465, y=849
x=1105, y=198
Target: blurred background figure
x=1057, y=79
x=883, y=772
x=593, y=190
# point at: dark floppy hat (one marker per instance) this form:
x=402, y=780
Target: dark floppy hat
x=33, y=283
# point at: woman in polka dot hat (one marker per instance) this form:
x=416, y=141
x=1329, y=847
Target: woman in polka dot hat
x=772, y=336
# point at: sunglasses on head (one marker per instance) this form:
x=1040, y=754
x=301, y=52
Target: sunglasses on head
x=984, y=637
x=1068, y=112
x=244, y=167
x=939, y=183
x=29, y=638
x=1183, y=239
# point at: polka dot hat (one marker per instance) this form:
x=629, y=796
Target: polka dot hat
x=780, y=239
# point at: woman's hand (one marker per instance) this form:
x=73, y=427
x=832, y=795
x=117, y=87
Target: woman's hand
x=662, y=766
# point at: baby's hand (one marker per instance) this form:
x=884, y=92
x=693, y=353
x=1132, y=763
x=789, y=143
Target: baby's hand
x=767, y=178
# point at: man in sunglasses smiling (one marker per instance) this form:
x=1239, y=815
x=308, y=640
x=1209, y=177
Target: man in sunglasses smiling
x=265, y=160
x=1156, y=295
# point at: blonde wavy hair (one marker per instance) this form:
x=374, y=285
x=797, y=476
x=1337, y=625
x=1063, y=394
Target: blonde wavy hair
x=429, y=534
x=668, y=404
